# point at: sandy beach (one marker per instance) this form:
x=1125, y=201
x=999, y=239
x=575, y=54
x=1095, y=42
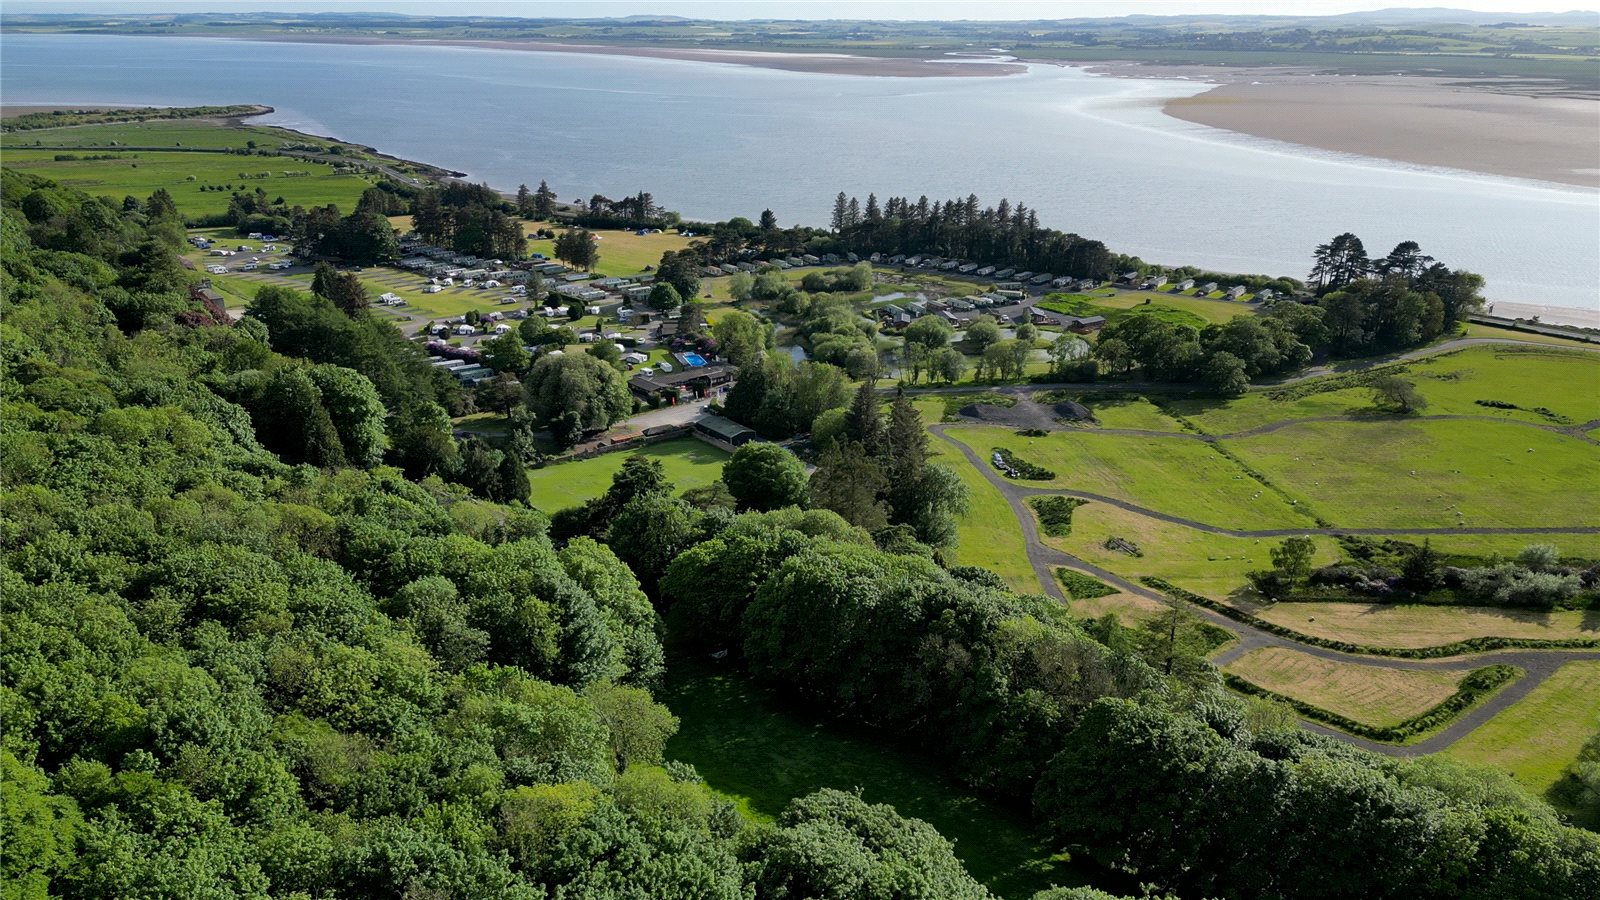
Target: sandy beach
x=1414, y=120
x=1558, y=315
x=819, y=63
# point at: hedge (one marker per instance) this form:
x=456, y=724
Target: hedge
x=1082, y=587
x=1055, y=513
x=1471, y=645
x=1477, y=684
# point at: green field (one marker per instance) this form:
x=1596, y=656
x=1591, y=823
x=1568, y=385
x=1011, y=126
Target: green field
x=1370, y=695
x=1212, y=565
x=1080, y=305
x=173, y=133
x=1129, y=411
x=1416, y=625
x=1538, y=737
x=139, y=173
x=1430, y=473
x=749, y=747
x=1566, y=383
x=1476, y=330
x=1178, y=477
x=622, y=252
x=988, y=536
x=1211, y=311
x=688, y=462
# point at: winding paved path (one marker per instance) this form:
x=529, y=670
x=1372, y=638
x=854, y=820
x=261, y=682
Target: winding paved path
x=1538, y=664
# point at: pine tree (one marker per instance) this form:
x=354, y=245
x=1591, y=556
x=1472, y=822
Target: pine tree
x=544, y=201
x=849, y=482
x=841, y=212
x=863, y=422
x=906, y=443
x=513, y=479
x=1420, y=572
x=769, y=220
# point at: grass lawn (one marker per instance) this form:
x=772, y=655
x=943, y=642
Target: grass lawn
x=1120, y=410
x=1566, y=383
x=688, y=462
x=1082, y=305
x=988, y=536
x=1426, y=625
x=1212, y=565
x=1581, y=546
x=1212, y=311
x=750, y=747
x=621, y=251
x=1426, y=473
x=1177, y=477
x=139, y=173
x=1538, y=737
x=1367, y=694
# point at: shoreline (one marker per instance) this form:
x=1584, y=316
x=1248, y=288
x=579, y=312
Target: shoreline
x=814, y=63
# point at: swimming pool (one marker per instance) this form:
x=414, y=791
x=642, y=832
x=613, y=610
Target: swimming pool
x=693, y=359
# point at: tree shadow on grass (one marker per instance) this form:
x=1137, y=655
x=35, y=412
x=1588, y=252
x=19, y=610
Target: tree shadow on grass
x=762, y=750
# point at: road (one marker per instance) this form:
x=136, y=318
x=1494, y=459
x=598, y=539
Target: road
x=1537, y=664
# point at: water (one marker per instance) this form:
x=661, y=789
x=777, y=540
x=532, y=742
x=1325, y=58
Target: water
x=1093, y=155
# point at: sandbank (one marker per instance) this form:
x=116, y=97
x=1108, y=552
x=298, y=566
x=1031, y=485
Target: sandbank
x=819, y=63
x=1409, y=119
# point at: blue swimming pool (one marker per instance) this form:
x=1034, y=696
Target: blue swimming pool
x=693, y=359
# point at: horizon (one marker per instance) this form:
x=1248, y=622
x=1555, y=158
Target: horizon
x=782, y=10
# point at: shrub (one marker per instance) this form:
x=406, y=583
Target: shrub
x=1082, y=587
x=1055, y=513
x=1513, y=585
x=1016, y=467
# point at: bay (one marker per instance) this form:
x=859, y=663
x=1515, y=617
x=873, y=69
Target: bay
x=1093, y=155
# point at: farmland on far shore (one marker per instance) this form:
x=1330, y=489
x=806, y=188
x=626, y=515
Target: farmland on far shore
x=139, y=173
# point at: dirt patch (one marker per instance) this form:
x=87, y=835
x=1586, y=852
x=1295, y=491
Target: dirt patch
x=1027, y=413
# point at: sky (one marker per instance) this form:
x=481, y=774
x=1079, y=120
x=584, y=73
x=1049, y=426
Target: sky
x=790, y=9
